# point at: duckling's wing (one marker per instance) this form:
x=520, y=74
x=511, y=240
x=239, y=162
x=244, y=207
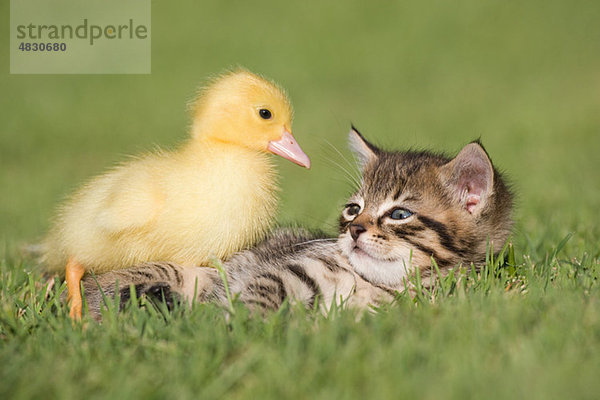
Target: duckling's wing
x=132, y=201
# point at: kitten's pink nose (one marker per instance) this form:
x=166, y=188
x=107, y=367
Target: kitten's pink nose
x=356, y=230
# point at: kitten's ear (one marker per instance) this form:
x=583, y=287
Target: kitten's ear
x=364, y=151
x=471, y=176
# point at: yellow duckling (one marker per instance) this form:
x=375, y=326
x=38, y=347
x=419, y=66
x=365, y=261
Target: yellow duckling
x=213, y=196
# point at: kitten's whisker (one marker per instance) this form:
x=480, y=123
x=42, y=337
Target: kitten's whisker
x=352, y=172
x=316, y=240
x=353, y=179
x=348, y=176
x=353, y=165
x=350, y=163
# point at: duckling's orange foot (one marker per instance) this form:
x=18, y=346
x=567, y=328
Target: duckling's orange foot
x=74, y=273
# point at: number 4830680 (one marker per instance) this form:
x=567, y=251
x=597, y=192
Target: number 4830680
x=43, y=46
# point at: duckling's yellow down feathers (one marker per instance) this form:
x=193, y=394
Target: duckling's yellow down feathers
x=211, y=197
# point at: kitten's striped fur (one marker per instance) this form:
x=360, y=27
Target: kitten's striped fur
x=411, y=207
x=292, y=264
x=456, y=206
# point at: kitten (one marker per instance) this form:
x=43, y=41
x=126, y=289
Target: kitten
x=290, y=264
x=416, y=205
x=411, y=207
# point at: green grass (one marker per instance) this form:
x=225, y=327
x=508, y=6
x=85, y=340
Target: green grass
x=522, y=76
x=467, y=338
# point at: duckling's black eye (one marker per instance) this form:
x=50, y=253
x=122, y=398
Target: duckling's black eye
x=352, y=209
x=265, y=114
x=400, y=213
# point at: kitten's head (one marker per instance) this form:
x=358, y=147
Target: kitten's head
x=416, y=205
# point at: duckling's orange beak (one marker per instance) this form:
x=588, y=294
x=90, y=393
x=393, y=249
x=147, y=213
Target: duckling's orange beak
x=288, y=148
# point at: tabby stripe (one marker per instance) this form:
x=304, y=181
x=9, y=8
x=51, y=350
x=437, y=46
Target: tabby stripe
x=311, y=302
x=389, y=291
x=307, y=280
x=265, y=298
x=161, y=268
x=364, y=278
x=264, y=291
x=217, y=281
x=442, y=231
x=429, y=251
x=404, y=230
x=145, y=274
x=398, y=193
x=330, y=263
x=260, y=288
x=177, y=273
x=444, y=262
x=414, y=228
x=279, y=282
x=260, y=303
x=203, y=294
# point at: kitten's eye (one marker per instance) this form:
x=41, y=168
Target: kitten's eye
x=264, y=113
x=400, y=213
x=352, y=209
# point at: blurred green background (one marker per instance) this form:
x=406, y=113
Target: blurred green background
x=523, y=76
